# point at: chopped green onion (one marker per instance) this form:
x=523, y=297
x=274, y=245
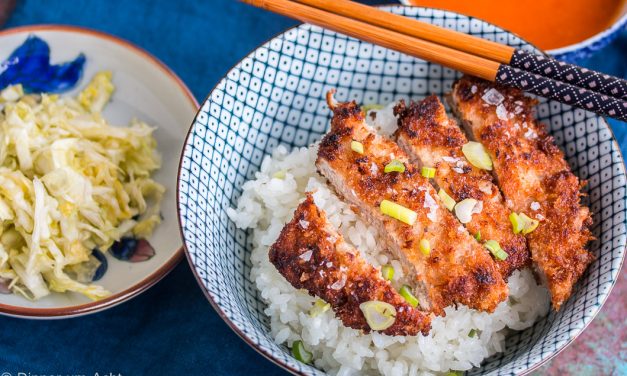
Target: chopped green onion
x=518, y=223
x=379, y=315
x=477, y=156
x=319, y=307
x=405, y=292
x=446, y=199
x=387, y=271
x=478, y=235
x=398, y=212
x=300, y=353
x=472, y=333
x=425, y=247
x=530, y=223
x=367, y=107
x=495, y=248
x=428, y=172
x=454, y=373
x=279, y=174
x=357, y=147
x=394, y=166
x=464, y=208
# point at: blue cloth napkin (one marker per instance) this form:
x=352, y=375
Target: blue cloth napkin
x=171, y=329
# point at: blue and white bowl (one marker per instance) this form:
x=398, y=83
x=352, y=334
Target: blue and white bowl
x=275, y=96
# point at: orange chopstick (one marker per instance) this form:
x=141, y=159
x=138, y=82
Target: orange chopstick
x=452, y=58
x=422, y=30
x=537, y=74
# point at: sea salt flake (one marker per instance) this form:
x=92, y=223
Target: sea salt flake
x=518, y=110
x=530, y=134
x=450, y=159
x=339, y=284
x=306, y=256
x=473, y=89
x=501, y=112
x=373, y=168
x=432, y=206
x=493, y=97
x=486, y=188
x=304, y=224
x=458, y=170
x=329, y=264
x=478, y=208
x=535, y=205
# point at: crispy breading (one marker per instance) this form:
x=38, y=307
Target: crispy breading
x=311, y=255
x=534, y=178
x=433, y=139
x=457, y=269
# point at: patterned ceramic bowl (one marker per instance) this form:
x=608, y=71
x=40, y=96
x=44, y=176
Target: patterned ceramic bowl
x=275, y=96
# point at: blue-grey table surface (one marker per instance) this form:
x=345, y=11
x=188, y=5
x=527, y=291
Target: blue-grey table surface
x=170, y=329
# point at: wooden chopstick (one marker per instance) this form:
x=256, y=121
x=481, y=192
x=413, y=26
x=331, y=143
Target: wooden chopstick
x=422, y=30
x=463, y=61
x=523, y=60
x=458, y=60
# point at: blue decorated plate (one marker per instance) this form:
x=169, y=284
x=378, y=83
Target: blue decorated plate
x=145, y=89
x=275, y=96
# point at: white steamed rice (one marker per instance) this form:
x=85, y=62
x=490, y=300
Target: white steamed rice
x=268, y=202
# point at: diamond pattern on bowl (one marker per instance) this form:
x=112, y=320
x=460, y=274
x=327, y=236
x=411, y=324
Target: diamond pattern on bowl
x=276, y=96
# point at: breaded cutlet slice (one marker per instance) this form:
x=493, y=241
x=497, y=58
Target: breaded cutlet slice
x=534, y=178
x=311, y=255
x=457, y=269
x=432, y=139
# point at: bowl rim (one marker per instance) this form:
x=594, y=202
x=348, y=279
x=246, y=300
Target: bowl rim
x=177, y=256
x=269, y=355
x=188, y=256
x=618, y=24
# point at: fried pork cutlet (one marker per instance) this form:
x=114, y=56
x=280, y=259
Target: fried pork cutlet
x=454, y=268
x=431, y=139
x=534, y=178
x=311, y=255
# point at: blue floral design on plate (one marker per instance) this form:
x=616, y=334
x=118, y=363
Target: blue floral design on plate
x=29, y=65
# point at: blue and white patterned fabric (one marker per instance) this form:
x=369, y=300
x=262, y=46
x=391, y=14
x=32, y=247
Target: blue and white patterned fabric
x=276, y=96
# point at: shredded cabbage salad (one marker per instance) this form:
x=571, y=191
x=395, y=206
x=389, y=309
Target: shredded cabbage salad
x=70, y=183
